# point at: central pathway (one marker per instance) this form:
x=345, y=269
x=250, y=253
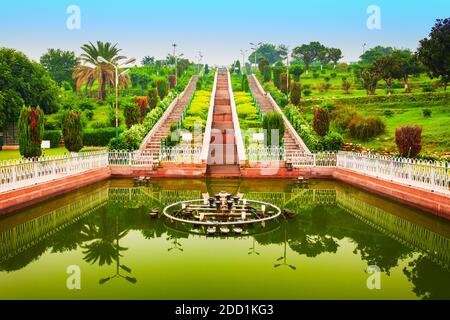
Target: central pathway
x=223, y=161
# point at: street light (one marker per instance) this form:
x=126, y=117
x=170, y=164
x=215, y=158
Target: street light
x=243, y=53
x=287, y=71
x=255, y=47
x=200, y=57
x=124, y=65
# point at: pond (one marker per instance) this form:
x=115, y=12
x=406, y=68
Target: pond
x=104, y=233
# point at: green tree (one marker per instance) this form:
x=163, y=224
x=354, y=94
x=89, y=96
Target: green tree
x=389, y=69
x=308, y=53
x=72, y=131
x=434, y=52
x=335, y=55
x=89, y=70
x=266, y=51
x=376, y=53
x=60, y=65
x=324, y=57
x=409, y=65
x=296, y=71
x=148, y=61
x=31, y=132
x=23, y=82
x=369, y=80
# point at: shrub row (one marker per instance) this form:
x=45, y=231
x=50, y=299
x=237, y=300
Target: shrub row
x=54, y=136
x=99, y=137
x=395, y=98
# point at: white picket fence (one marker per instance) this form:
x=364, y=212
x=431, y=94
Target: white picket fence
x=15, y=174
x=133, y=158
x=430, y=175
x=300, y=159
x=265, y=154
x=181, y=154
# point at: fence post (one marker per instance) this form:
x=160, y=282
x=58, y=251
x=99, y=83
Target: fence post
x=129, y=158
x=35, y=169
x=14, y=173
x=433, y=178
x=314, y=159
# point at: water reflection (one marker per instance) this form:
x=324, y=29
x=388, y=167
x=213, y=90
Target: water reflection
x=97, y=220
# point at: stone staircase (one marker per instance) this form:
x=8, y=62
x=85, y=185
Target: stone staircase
x=290, y=142
x=153, y=143
x=223, y=160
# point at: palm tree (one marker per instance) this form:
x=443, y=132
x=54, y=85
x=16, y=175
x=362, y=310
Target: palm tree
x=90, y=70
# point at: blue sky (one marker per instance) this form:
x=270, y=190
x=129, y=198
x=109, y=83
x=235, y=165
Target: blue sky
x=219, y=28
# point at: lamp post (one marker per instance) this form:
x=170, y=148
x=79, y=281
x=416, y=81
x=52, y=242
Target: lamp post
x=243, y=53
x=255, y=47
x=287, y=72
x=116, y=67
x=200, y=57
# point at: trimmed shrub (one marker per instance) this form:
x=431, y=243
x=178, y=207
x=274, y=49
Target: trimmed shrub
x=172, y=81
x=277, y=71
x=284, y=82
x=296, y=93
x=315, y=75
x=296, y=71
x=333, y=75
x=89, y=114
x=54, y=136
x=153, y=98
x=409, y=140
x=426, y=113
x=131, y=114
x=274, y=121
x=388, y=113
x=31, y=132
x=267, y=74
x=321, y=121
x=142, y=103
x=72, y=131
x=342, y=118
x=307, y=92
x=263, y=63
x=245, y=85
x=99, y=137
x=100, y=125
x=162, y=88
x=365, y=128
x=333, y=141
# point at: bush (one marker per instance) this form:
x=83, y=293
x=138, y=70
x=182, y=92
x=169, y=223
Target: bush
x=277, y=71
x=153, y=98
x=199, y=84
x=388, y=113
x=99, y=137
x=409, y=140
x=316, y=75
x=321, y=121
x=333, y=75
x=172, y=81
x=333, y=141
x=142, y=103
x=72, y=131
x=100, y=125
x=284, y=83
x=54, y=136
x=365, y=128
x=426, y=113
x=296, y=93
x=52, y=124
x=274, y=121
x=342, y=118
x=267, y=74
x=89, y=114
x=307, y=92
x=31, y=132
x=131, y=114
x=129, y=139
x=162, y=87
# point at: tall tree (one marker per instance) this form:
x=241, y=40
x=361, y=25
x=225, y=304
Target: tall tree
x=376, y=53
x=409, y=65
x=24, y=83
x=60, y=65
x=266, y=51
x=89, y=69
x=148, y=61
x=434, y=52
x=335, y=55
x=308, y=53
x=369, y=79
x=324, y=57
x=389, y=69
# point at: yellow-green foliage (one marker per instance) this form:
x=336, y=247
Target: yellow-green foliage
x=247, y=111
x=200, y=105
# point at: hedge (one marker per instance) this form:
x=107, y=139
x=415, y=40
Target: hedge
x=54, y=136
x=395, y=98
x=99, y=137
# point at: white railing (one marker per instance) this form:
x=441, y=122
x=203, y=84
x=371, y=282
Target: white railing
x=208, y=128
x=237, y=128
x=16, y=174
x=183, y=155
x=431, y=175
x=264, y=154
x=133, y=158
x=300, y=159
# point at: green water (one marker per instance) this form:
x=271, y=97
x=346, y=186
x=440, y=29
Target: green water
x=322, y=253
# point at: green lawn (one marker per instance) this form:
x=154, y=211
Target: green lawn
x=15, y=154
